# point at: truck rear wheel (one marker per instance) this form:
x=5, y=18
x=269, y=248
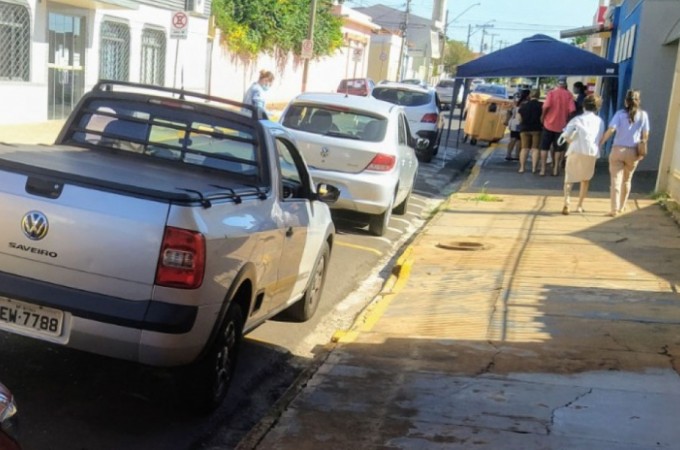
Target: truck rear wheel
x=209, y=379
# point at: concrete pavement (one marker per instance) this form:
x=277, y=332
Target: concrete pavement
x=508, y=326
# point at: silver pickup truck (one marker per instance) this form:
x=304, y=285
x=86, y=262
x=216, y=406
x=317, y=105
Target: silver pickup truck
x=160, y=227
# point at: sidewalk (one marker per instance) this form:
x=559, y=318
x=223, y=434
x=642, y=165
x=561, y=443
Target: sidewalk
x=509, y=326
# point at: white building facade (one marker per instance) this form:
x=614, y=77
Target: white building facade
x=53, y=52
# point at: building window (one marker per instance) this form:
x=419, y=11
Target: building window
x=114, y=52
x=15, y=42
x=153, y=57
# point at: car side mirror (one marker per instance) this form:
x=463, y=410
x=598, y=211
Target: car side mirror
x=327, y=193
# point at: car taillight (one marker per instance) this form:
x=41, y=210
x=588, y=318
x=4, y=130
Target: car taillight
x=181, y=263
x=430, y=118
x=382, y=163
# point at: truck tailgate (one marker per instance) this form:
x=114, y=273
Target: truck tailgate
x=92, y=239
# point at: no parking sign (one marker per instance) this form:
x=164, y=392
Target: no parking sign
x=179, y=28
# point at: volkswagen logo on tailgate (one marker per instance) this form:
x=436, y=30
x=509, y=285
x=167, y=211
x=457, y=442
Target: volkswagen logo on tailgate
x=34, y=225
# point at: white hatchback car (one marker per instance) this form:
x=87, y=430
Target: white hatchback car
x=422, y=108
x=360, y=144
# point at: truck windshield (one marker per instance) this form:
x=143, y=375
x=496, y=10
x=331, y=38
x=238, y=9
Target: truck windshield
x=169, y=130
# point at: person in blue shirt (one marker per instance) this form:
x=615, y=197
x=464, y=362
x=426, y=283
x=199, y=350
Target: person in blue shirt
x=629, y=126
x=255, y=94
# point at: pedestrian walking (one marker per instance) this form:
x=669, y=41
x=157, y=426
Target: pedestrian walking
x=583, y=134
x=630, y=126
x=255, y=95
x=558, y=105
x=530, y=130
x=514, y=144
x=581, y=92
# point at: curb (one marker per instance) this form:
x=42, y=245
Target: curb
x=363, y=323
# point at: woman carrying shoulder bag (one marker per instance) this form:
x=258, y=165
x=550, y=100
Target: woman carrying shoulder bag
x=583, y=133
x=630, y=127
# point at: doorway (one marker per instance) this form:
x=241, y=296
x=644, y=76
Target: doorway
x=66, y=63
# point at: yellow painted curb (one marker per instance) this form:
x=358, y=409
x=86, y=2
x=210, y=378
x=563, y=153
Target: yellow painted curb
x=371, y=315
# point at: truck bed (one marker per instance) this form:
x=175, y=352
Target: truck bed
x=132, y=174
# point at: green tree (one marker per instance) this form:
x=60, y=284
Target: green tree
x=250, y=27
x=455, y=54
x=579, y=40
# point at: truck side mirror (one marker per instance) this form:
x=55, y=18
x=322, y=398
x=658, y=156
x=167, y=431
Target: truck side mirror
x=327, y=193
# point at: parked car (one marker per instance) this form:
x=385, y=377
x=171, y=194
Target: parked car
x=422, y=108
x=356, y=86
x=363, y=146
x=416, y=82
x=8, y=415
x=495, y=90
x=161, y=227
x=515, y=88
x=444, y=90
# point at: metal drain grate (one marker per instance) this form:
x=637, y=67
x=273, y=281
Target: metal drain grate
x=462, y=245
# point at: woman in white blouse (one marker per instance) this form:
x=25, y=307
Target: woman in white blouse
x=583, y=133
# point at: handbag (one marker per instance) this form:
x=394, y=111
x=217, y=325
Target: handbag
x=642, y=148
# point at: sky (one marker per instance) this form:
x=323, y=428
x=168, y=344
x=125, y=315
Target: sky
x=509, y=21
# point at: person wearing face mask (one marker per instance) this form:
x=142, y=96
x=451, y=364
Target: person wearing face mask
x=255, y=94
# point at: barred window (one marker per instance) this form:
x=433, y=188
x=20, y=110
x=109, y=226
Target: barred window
x=153, y=57
x=114, y=52
x=15, y=42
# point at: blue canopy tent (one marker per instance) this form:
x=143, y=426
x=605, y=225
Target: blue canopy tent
x=535, y=56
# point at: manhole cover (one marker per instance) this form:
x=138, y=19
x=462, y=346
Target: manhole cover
x=462, y=245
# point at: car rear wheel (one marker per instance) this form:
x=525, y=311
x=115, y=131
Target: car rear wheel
x=304, y=309
x=401, y=208
x=208, y=379
x=379, y=223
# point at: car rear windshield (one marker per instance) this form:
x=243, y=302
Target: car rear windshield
x=445, y=84
x=402, y=97
x=168, y=130
x=337, y=122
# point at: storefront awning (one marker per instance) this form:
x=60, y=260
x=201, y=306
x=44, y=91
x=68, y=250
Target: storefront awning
x=584, y=31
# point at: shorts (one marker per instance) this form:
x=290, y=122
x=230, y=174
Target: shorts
x=549, y=139
x=530, y=139
x=514, y=135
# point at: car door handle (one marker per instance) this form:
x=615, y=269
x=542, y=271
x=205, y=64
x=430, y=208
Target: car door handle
x=289, y=231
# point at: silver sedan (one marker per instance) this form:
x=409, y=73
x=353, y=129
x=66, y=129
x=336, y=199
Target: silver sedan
x=362, y=146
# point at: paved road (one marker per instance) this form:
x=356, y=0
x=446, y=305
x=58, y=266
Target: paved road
x=70, y=399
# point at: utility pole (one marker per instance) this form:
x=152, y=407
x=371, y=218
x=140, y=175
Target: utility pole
x=310, y=36
x=467, y=42
x=404, y=28
x=493, y=35
x=443, y=54
x=483, y=27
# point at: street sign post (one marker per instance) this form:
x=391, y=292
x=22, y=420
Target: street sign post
x=307, y=49
x=179, y=28
x=357, y=54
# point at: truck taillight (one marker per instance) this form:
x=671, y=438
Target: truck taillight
x=181, y=263
x=430, y=118
x=382, y=163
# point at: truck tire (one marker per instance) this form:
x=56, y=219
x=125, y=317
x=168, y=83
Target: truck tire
x=304, y=309
x=209, y=378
